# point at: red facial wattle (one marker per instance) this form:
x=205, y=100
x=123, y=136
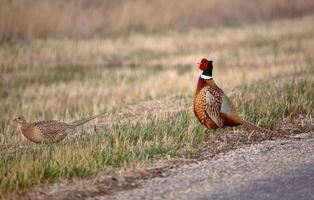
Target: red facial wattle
x=204, y=64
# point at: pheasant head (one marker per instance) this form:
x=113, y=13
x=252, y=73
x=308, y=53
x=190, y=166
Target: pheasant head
x=206, y=77
x=207, y=67
x=20, y=120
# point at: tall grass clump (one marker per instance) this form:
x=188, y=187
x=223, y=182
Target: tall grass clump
x=266, y=103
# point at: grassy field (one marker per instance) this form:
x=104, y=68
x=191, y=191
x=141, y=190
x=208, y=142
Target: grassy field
x=25, y=19
x=145, y=82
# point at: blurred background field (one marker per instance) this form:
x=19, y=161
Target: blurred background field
x=137, y=60
x=30, y=18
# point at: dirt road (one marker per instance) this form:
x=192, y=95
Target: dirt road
x=281, y=169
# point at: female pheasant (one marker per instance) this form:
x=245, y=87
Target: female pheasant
x=213, y=108
x=48, y=131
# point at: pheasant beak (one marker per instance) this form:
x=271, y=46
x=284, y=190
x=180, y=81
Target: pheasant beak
x=14, y=120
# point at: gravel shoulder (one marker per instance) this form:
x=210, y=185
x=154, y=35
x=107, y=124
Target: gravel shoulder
x=280, y=169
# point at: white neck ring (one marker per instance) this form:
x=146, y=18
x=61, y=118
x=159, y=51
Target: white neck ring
x=206, y=77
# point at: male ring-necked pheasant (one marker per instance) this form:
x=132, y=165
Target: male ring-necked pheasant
x=213, y=108
x=48, y=131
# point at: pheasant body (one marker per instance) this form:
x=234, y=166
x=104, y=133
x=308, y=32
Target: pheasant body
x=213, y=108
x=209, y=103
x=48, y=131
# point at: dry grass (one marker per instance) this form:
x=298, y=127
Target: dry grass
x=68, y=78
x=30, y=18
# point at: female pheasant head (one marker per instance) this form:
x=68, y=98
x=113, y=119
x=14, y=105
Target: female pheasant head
x=207, y=67
x=20, y=120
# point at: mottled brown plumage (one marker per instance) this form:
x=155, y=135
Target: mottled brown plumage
x=48, y=131
x=213, y=108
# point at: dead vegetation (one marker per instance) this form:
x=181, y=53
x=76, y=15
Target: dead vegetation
x=25, y=19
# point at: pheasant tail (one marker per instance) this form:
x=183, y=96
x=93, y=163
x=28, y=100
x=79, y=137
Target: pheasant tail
x=256, y=128
x=83, y=121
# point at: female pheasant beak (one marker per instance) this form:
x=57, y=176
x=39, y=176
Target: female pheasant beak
x=207, y=67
